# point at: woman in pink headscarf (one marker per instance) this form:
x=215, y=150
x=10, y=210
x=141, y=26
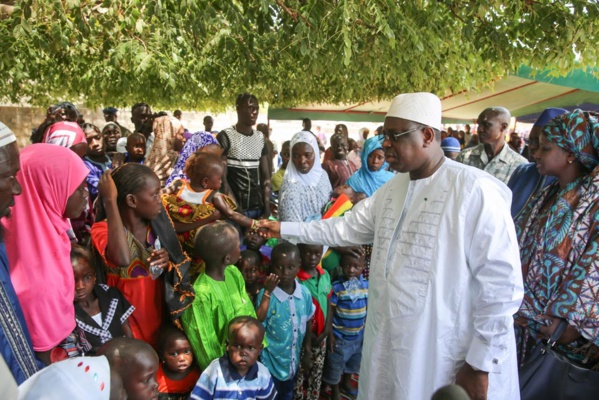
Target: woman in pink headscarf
x=53, y=181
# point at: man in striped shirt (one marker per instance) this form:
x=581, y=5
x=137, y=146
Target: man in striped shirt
x=348, y=301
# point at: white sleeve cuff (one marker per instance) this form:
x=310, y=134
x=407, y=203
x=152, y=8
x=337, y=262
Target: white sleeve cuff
x=290, y=231
x=483, y=357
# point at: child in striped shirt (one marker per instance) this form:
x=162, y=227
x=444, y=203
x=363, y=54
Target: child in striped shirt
x=238, y=374
x=348, y=301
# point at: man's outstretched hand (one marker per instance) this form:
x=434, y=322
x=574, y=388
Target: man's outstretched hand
x=269, y=229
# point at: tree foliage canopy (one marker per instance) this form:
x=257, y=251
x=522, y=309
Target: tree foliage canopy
x=202, y=53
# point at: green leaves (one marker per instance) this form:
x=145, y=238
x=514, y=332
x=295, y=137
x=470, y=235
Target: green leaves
x=202, y=53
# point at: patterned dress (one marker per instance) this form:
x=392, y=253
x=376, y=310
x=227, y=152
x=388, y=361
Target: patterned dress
x=187, y=206
x=114, y=311
x=301, y=203
x=15, y=342
x=558, y=231
x=308, y=383
x=135, y=282
x=559, y=263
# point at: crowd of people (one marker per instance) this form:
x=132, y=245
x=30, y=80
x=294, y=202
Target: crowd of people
x=159, y=263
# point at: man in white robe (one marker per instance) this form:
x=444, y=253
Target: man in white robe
x=445, y=274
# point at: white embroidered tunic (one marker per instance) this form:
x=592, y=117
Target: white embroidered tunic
x=445, y=281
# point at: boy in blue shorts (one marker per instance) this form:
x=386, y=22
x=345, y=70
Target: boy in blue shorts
x=348, y=301
x=285, y=308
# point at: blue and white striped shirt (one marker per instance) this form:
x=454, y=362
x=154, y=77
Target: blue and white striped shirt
x=349, y=313
x=222, y=381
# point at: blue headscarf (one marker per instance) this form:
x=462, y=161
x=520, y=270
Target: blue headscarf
x=364, y=180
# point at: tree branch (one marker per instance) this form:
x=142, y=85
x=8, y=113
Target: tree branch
x=292, y=13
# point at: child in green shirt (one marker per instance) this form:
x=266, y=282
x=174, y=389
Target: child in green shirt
x=220, y=293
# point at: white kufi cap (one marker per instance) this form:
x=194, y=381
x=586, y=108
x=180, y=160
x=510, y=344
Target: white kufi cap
x=6, y=135
x=423, y=108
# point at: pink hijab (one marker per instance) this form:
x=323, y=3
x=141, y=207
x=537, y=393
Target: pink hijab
x=37, y=243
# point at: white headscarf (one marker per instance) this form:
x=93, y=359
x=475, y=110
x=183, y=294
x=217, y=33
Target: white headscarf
x=74, y=378
x=313, y=176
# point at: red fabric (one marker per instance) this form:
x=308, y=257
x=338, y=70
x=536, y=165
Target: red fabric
x=339, y=171
x=147, y=296
x=318, y=320
x=183, y=386
x=144, y=293
x=303, y=275
x=328, y=155
x=99, y=233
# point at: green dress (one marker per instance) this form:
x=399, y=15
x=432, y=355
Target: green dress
x=206, y=322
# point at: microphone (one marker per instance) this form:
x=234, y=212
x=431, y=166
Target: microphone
x=451, y=392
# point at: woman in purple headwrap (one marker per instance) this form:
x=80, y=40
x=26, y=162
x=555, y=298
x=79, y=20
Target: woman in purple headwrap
x=196, y=142
x=558, y=231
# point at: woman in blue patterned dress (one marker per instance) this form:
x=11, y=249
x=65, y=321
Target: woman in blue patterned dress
x=559, y=237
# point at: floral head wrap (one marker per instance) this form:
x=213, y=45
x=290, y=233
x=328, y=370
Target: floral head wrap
x=577, y=132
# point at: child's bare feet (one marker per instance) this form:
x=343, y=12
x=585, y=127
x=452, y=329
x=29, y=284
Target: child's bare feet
x=346, y=388
x=335, y=393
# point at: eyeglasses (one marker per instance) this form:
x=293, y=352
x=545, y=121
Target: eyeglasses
x=395, y=136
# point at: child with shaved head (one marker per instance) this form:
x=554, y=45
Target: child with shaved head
x=220, y=292
x=238, y=374
x=137, y=364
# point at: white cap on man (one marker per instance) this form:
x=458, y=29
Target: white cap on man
x=423, y=108
x=6, y=135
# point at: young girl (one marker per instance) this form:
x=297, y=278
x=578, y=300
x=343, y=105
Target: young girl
x=177, y=373
x=373, y=174
x=139, y=249
x=53, y=181
x=101, y=311
x=196, y=202
x=318, y=281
